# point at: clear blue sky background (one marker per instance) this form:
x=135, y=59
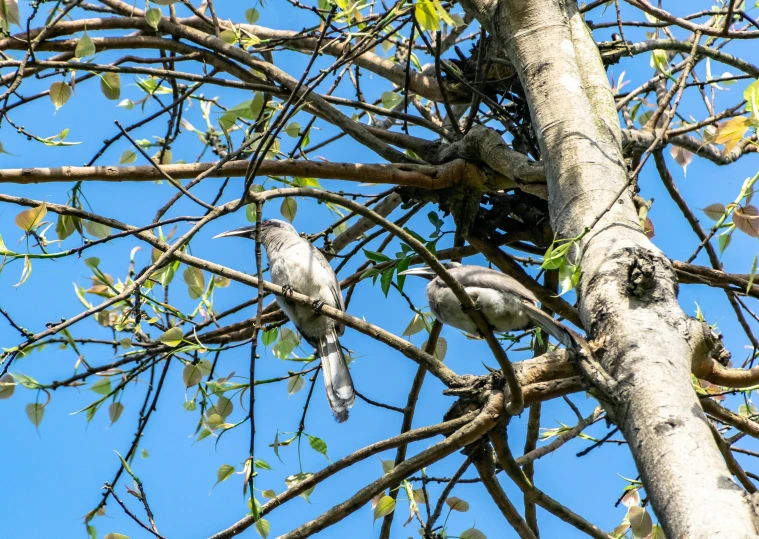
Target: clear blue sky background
x=53, y=477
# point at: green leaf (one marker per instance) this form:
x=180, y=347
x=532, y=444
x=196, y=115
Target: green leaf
x=298, y=478
x=195, y=281
x=659, y=60
x=385, y=506
x=153, y=17
x=289, y=208
x=318, y=445
x=724, y=240
x=751, y=95
x=262, y=525
x=427, y=16
x=415, y=326
x=144, y=453
x=128, y=157
x=569, y=276
x=288, y=341
x=35, y=412
x=116, y=536
x=376, y=257
x=753, y=274
x=97, y=230
x=402, y=266
x=269, y=336
x=386, y=280
x=457, y=504
x=472, y=533
x=250, y=212
x=224, y=472
x=59, y=94
x=293, y=129
x=391, y=99
x=7, y=386
x=262, y=464
x=171, y=337
x=27, y=381
x=192, y=375
x=114, y=411
x=102, y=386
x=85, y=47
x=228, y=36
x=252, y=15
x=110, y=85
x=66, y=225
x=295, y=384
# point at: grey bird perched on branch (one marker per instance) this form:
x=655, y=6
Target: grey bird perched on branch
x=504, y=302
x=295, y=264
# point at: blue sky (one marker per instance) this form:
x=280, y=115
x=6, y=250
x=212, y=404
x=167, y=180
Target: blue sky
x=54, y=475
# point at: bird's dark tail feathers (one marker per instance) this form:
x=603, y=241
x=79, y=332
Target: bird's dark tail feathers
x=337, y=377
x=545, y=322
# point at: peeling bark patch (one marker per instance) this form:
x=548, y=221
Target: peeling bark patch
x=668, y=425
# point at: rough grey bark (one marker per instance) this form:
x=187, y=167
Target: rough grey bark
x=628, y=290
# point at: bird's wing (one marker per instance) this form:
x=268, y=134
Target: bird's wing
x=334, y=285
x=550, y=326
x=481, y=277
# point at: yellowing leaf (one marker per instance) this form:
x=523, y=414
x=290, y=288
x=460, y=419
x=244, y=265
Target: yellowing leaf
x=171, y=337
x=640, y=521
x=731, y=132
x=29, y=219
x=224, y=472
x=385, y=506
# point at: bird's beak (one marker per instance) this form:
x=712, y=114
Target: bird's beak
x=421, y=271
x=245, y=231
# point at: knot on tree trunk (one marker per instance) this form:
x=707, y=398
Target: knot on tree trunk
x=474, y=392
x=641, y=277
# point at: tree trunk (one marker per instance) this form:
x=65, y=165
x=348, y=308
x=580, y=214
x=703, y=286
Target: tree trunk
x=627, y=288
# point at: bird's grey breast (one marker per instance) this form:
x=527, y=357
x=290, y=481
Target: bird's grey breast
x=294, y=262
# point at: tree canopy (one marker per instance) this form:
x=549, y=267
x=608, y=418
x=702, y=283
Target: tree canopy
x=600, y=154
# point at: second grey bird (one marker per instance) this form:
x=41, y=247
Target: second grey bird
x=505, y=303
x=296, y=264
